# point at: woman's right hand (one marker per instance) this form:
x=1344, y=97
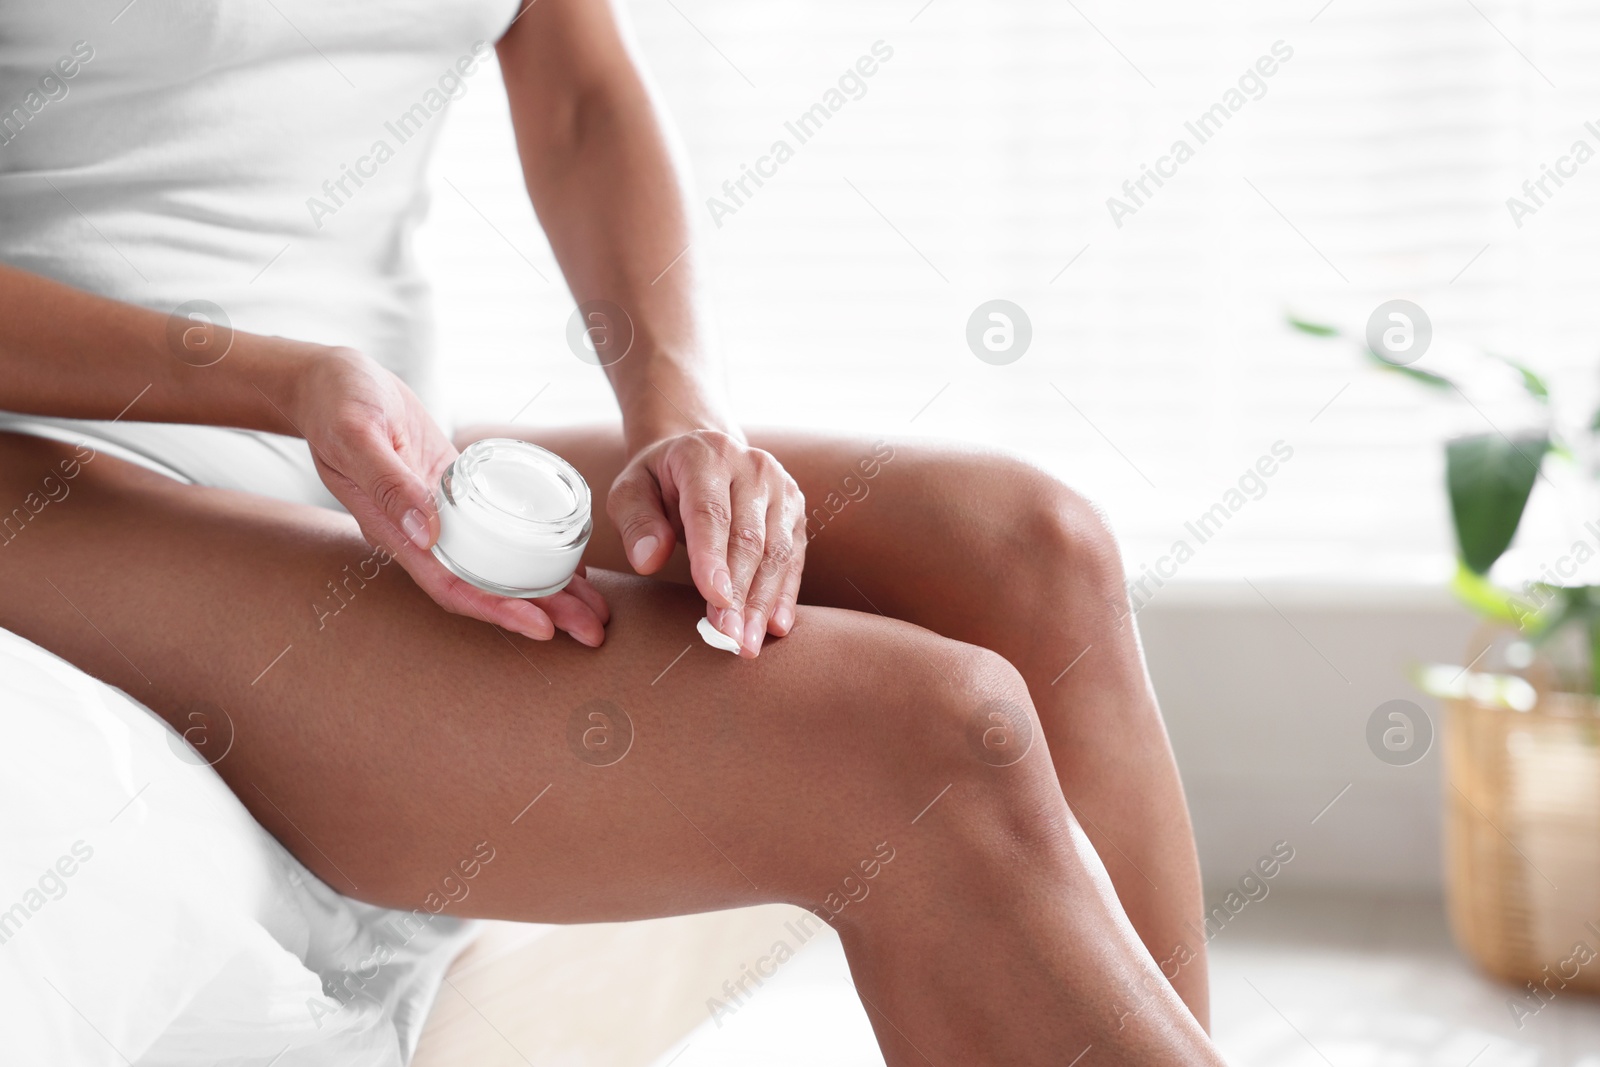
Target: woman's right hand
x=380, y=453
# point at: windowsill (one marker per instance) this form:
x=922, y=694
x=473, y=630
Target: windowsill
x=1308, y=577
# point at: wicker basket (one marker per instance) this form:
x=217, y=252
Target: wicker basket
x=1522, y=836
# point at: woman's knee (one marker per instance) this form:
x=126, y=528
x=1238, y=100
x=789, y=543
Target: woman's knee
x=938, y=741
x=1005, y=800
x=1024, y=537
x=1073, y=544
x=921, y=704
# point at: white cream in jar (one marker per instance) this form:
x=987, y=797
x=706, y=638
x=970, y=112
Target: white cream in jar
x=513, y=518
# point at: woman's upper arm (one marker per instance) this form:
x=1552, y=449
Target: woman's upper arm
x=557, y=53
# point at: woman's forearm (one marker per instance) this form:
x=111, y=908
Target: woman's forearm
x=70, y=353
x=604, y=181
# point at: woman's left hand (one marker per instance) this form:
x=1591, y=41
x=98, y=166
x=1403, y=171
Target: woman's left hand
x=742, y=520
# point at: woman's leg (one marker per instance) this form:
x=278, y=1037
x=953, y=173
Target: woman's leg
x=383, y=741
x=984, y=549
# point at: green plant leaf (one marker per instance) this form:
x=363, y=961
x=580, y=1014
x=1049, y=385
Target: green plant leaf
x=1436, y=381
x=1315, y=329
x=1489, y=477
x=1428, y=378
x=1491, y=601
x=1534, y=384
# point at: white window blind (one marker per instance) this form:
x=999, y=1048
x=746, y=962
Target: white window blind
x=1373, y=163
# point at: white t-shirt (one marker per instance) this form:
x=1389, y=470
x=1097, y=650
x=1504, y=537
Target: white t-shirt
x=265, y=156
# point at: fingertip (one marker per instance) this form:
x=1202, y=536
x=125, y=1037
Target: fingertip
x=533, y=623
x=418, y=526
x=643, y=552
x=711, y=579
x=729, y=622
x=755, y=631
x=582, y=628
x=782, y=621
x=590, y=597
x=716, y=585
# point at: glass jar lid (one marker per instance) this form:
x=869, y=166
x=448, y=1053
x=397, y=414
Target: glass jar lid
x=518, y=486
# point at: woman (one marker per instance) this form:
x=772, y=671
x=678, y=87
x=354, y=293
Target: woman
x=956, y=669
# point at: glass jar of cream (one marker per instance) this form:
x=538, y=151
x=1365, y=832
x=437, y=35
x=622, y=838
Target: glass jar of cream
x=513, y=518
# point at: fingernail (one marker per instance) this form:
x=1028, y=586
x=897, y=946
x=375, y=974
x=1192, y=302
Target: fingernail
x=731, y=625
x=535, y=628
x=755, y=628
x=415, y=525
x=723, y=585
x=642, y=550
x=783, y=618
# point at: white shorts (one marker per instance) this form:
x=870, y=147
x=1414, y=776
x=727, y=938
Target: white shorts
x=267, y=464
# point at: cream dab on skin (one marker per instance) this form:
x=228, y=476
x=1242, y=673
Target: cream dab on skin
x=715, y=637
x=513, y=518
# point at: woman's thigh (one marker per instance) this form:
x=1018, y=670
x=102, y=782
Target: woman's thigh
x=381, y=738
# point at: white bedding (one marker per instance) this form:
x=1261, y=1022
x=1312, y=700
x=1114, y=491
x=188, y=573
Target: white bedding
x=147, y=918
